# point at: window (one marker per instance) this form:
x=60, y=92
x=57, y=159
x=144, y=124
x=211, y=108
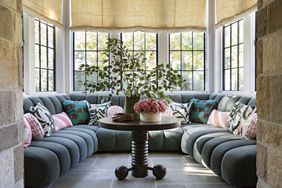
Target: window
x=88, y=49
x=138, y=41
x=233, y=56
x=187, y=55
x=44, y=56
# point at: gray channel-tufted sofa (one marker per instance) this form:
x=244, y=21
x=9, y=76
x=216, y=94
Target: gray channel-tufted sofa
x=231, y=157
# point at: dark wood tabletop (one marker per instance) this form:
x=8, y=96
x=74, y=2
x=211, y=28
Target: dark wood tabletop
x=137, y=125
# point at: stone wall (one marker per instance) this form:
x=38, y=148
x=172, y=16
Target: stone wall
x=11, y=148
x=269, y=93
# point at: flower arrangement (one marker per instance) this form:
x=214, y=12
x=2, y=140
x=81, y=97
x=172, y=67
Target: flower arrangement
x=150, y=106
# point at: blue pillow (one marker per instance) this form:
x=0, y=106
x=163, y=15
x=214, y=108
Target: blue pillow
x=202, y=109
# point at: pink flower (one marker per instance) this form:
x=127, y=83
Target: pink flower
x=150, y=106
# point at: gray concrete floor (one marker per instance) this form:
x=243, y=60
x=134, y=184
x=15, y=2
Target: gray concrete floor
x=98, y=172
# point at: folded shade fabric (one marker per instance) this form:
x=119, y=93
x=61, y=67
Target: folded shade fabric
x=48, y=10
x=227, y=10
x=132, y=15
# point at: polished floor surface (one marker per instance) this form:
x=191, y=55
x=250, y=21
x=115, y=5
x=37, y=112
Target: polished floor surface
x=98, y=172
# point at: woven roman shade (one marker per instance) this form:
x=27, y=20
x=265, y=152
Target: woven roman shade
x=228, y=10
x=47, y=10
x=138, y=14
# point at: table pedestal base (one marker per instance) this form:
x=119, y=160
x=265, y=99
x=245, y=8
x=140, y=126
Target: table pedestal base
x=139, y=159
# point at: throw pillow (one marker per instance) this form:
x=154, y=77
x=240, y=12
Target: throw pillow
x=168, y=112
x=98, y=111
x=36, y=128
x=249, y=127
x=218, y=118
x=223, y=103
x=27, y=136
x=77, y=111
x=202, y=109
x=44, y=117
x=238, y=113
x=182, y=111
x=61, y=121
x=112, y=110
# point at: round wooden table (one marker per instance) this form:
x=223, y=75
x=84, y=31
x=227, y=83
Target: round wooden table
x=139, y=144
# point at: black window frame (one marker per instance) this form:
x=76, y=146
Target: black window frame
x=181, y=62
x=238, y=67
x=85, y=50
x=40, y=45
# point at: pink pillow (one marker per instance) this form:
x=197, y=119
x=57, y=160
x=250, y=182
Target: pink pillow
x=112, y=110
x=249, y=127
x=36, y=128
x=27, y=133
x=218, y=118
x=61, y=121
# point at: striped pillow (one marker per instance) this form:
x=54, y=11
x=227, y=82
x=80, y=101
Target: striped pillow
x=36, y=128
x=218, y=118
x=27, y=133
x=61, y=121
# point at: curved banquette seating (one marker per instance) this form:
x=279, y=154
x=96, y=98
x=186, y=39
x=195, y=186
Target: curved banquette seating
x=229, y=156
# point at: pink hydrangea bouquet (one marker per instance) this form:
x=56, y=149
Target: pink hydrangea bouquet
x=150, y=106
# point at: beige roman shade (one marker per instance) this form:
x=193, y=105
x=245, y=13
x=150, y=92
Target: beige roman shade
x=47, y=10
x=138, y=14
x=227, y=10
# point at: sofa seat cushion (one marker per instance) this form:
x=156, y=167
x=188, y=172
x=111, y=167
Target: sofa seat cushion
x=70, y=145
x=212, y=143
x=41, y=165
x=192, y=134
x=238, y=166
x=90, y=132
x=200, y=142
x=60, y=150
x=219, y=152
x=88, y=138
x=80, y=142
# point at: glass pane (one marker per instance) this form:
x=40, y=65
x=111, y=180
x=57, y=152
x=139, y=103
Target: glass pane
x=79, y=59
x=93, y=77
x=174, y=41
x=43, y=57
x=51, y=37
x=241, y=55
x=79, y=40
x=151, y=60
x=227, y=80
x=102, y=39
x=175, y=60
x=241, y=31
x=187, y=41
x=187, y=60
x=51, y=80
x=234, y=55
x=91, y=58
x=43, y=34
x=227, y=58
x=139, y=40
x=198, y=80
x=198, y=40
x=51, y=59
x=151, y=41
x=44, y=80
x=79, y=79
x=102, y=59
x=37, y=79
x=234, y=79
x=227, y=36
x=127, y=39
x=234, y=33
x=241, y=79
x=36, y=30
x=91, y=40
x=37, y=56
x=187, y=85
x=198, y=60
